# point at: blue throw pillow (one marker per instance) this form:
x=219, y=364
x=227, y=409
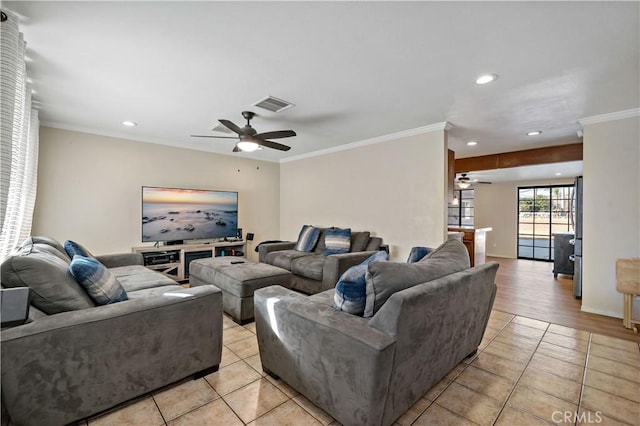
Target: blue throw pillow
x=72, y=248
x=307, y=238
x=351, y=289
x=101, y=285
x=337, y=241
x=418, y=253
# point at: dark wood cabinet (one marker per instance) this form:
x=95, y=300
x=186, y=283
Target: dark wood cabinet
x=562, y=252
x=451, y=175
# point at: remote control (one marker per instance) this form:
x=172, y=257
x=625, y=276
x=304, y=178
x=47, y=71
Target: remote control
x=233, y=262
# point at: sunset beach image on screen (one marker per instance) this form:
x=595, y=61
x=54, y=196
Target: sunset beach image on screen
x=171, y=214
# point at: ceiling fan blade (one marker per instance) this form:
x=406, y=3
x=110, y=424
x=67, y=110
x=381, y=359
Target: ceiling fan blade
x=277, y=134
x=229, y=125
x=236, y=149
x=217, y=137
x=274, y=145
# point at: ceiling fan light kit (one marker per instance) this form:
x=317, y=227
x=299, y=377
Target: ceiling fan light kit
x=463, y=181
x=486, y=78
x=247, y=146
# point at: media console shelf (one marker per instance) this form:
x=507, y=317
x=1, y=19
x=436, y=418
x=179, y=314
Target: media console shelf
x=173, y=261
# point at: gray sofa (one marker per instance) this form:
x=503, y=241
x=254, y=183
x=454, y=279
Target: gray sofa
x=72, y=359
x=369, y=371
x=313, y=272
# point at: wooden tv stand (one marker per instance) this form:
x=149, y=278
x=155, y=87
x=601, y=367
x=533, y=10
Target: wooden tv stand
x=173, y=261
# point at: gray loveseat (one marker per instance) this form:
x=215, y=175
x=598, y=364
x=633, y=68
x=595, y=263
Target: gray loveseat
x=314, y=272
x=72, y=359
x=369, y=371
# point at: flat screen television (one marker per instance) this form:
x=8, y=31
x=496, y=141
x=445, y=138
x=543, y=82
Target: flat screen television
x=176, y=214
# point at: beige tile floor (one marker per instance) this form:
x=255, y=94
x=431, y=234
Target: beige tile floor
x=526, y=372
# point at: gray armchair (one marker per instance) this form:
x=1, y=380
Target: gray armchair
x=368, y=371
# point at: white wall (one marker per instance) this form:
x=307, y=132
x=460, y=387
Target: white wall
x=496, y=205
x=395, y=189
x=611, y=209
x=89, y=187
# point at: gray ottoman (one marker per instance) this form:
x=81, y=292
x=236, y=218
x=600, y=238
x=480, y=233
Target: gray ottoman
x=237, y=281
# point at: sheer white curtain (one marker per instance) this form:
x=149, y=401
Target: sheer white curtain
x=18, y=140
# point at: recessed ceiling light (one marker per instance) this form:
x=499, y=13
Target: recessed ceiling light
x=129, y=123
x=558, y=174
x=486, y=78
x=472, y=143
x=534, y=133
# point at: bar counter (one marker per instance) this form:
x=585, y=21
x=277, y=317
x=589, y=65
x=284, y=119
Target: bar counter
x=476, y=240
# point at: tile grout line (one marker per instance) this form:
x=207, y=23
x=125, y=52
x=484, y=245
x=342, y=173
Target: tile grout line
x=584, y=377
x=244, y=386
x=431, y=402
x=584, y=381
x=159, y=410
x=515, y=384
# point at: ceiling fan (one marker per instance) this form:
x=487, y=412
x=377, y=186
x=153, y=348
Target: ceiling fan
x=465, y=182
x=249, y=138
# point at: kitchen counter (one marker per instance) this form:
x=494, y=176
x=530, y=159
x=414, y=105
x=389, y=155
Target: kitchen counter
x=475, y=239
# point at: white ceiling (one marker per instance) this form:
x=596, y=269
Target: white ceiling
x=355, y=70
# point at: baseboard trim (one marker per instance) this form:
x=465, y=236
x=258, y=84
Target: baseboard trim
x=501, y=256
x=601, y=312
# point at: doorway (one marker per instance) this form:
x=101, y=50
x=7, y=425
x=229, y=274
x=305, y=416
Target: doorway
x=542, y=212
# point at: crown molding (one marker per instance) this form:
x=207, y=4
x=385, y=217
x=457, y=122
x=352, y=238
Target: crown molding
x=619, y=115
x=124, y=136
x=372, y=141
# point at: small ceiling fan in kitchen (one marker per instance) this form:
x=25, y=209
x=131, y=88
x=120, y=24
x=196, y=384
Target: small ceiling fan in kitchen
x=249, y=139
x=464, y=182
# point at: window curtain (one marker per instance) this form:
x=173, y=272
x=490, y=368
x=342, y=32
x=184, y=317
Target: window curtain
x=18, y=139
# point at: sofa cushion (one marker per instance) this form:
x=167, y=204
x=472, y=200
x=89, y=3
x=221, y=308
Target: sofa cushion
x=53, y=289
x=385, y=278
x=41, y=239
x=351, y=289
x=337, y=241
x=320, y=246
x=101, y=285
x=156, y=291
x=283, y=258
x=137, y=277
x=72, y=248
x=307, y=239
x=46, y=248
x=34, y=314
x=418, y=253
x=359, y=241
x=374, y=244
x=309, y=266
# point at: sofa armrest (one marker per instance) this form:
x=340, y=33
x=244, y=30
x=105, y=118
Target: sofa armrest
x=336, y=264
x=334, y=359
x=121, y=259
x=265, y=249
x=78, y=363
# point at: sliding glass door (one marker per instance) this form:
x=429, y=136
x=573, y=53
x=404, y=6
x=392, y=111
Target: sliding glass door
x=542, y=211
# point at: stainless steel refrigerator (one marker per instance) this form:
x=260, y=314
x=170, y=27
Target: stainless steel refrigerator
x=577, y=230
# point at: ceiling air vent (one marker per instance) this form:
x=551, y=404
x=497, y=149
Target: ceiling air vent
x=273, y=104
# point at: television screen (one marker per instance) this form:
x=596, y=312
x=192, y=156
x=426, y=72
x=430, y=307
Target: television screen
x=174, y=214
